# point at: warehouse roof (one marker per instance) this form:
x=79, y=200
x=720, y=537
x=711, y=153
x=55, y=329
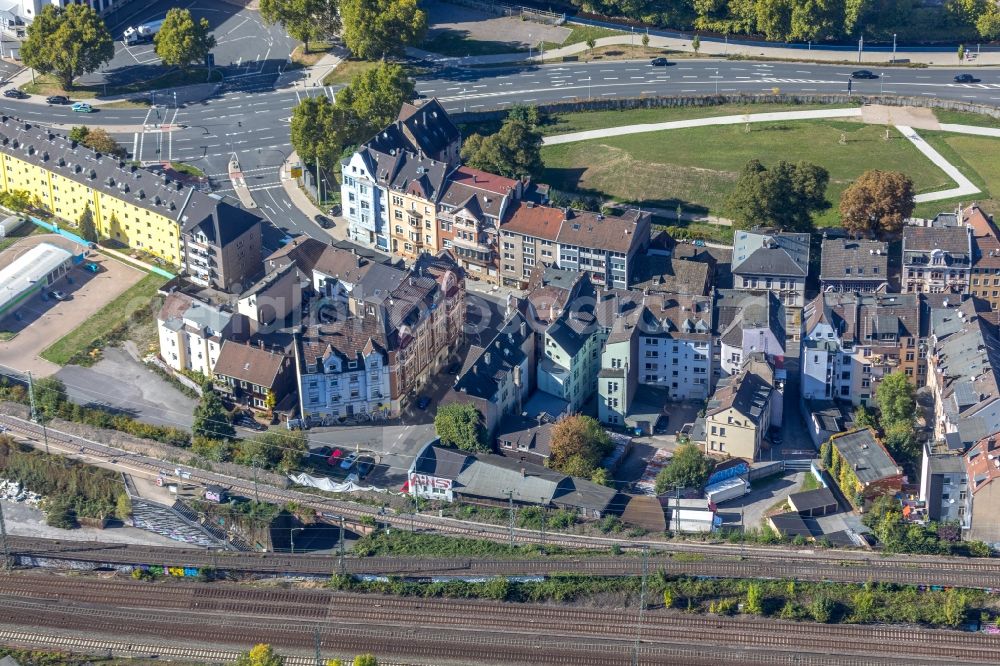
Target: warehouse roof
x=29, y=269
x=808, y=500
x=866, y=456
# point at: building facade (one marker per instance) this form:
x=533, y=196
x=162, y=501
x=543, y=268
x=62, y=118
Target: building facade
x=778, y=263
x=849, y=265
x=937, y=259
x=254, y=377
x=191, y=333
x=223, y=250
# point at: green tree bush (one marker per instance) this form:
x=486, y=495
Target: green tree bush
x=182, y=41
x=376, y=29
x=514, y=151
x=460, y=424
x=578, y=445
x=67, y=42
x=785, y=195
x=88, y=229
x=689, y=468
x=304, y=20
x=211, y=420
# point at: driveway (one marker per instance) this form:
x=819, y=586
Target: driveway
x=120, y=383
x=482, y=26
x=40, y=320
x=764, y=494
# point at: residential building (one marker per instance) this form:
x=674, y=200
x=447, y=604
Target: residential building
x=421, y=144
x=962, y=366
x=398, y=328
x=982, y=496
x=852, y=340
x=254, y=377
x=499, y=378
x=274, y=298
x=222, y=250
x=672, y=274
x=738, y=415
x=469, y=213
x=748, y=322
x=944, y=484
x=191, y=332
x=528, y=239
x=865, y=465
x=937, y=258
x=778, y=263
x=33, y=271
x=603, y=246
x=448, y=475
x=854, y=265
x=825, y=418
x=618, y=377
x=131, y=205
x=985, y=278
x=526, y=439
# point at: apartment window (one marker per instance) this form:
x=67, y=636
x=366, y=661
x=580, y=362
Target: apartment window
x=397, y=201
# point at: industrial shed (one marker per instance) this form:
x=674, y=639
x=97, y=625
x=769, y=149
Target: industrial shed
x=818, y=502
x=33, y=271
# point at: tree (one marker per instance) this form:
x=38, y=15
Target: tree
x=275, y=450
x=645, y=41
x=961, y=52
x=785, y=195
x=774, y=18
x=79, y=133
x=50, y=396
x=988, y=23
x=826, y=454
x=67, y=42
x=689, y=468
x=260, y=655
x=181, y=40
x=817, y=19
x=271, y=401
x=99, y=140
x=877, y=203
x=123, y=506
x=755, y=599
x=668, y=598
x=696, y=44
x=895, y=399
x=591, y=43
x=578, y=445
x=821, y=608
x=366, y=660
x=88, y=230
x=380, y=28
x=514, y=151
x=956, y=606
x=901, y=441
x=460, y=424
x=321, y=130
x=59, y=513
x=211, y=419
x=863, y=418
x=375, y=97
x=304, y=20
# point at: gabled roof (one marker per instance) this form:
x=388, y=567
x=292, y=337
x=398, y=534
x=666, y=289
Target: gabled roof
x=617, y=233
x=920, y=242
x=771, y=253
x=533, y=435
x=866, y=319
x=482, y=376
x=658, y=273
x=864, y=454
x=737, y=311
x=985, y=238
x=427, y=126
x=531, y=219
x=250, y=363
x=846, y=259
x=747, y=393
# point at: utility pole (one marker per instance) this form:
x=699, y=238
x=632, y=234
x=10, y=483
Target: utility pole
x=36, y=415
x=642, y=605
x=893, y=47
x=254, y=462
x=861, y=46
x=341, y=544
x=319, y=188
x=7, y=563
x=319, y=656
x=510, y=507
x=541, y=527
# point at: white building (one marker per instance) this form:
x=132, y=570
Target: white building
x=33, y=271
x=749, y=323
x=191, y=333
x=364, y=203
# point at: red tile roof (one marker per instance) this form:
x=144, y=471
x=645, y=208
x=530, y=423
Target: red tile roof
x=534, y=220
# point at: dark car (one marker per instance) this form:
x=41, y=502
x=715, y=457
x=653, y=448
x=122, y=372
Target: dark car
x=322, y=452
x=57, y=99
x=454, y=368
x=15, y=93
x=966, y=78
x=364, y=466
x=659, y=62
x=323, y=221
x=423, y=401
x=864, y=74
x=250, y=423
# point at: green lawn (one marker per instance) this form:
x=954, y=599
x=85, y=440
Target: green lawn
x=697, y=167
x=28, y=229
x=810, y=482
x=458, y=44
x=190, y=170
x=964, y=118
x=109, y=317
x=581, y=33
x=976, y=158
x=46, y=85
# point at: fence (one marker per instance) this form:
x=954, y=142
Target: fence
x=652, y=101
x=503, y=9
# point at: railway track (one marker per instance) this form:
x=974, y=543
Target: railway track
x=591, y=636
x=812, y=567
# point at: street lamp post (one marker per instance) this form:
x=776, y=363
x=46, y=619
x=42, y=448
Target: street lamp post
x=893, y=47
x=861, y=46
x=291, y=536
x=716, y=80
x=881, y=81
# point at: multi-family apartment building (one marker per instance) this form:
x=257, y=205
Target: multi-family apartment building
x=985, y=278
x=776, y=262
x=253, y=376
x=979, y=498
x=618, y=377
x=191, y=332
x=944, y=483
x=423, y=138
x=398, y=327
x=738, y=414
x=962, y=367
x=854, y=265
x=937, y=258
x=469, y=213
x=604, y=246
x=852, y=340
x=747, y=323
x=131, y=205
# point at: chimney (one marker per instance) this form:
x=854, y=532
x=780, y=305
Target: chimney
x=524, y=328
x=486, y=357
x=524, y=473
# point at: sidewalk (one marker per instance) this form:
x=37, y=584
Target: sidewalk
x=183, y=94
x=312, y=77
x=305, y=205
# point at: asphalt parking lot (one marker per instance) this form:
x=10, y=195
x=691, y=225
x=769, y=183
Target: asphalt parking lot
x=245, y=45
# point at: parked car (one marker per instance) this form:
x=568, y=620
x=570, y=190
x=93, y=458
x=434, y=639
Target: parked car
x=659, y=62
x=365, y=465
x=250, y=423
x=92, y=267
x=454, y=368
x=82, y=107
x=323, y=221
x=322, y=452
x=57, y=99
x=698, y=243
x=14, y=93
x=966, y=78
x=423, y=401
x=58, y=295
x=349, y=460
x=334, y=459
x=863, y=74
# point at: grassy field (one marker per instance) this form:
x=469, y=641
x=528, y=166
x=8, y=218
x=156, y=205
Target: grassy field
x=106, y=319
x=697, y=167
x=189, y=169
x=46, y=85
x=975, y=157
x=456, y=44
x=345, y=72
x=963, y=118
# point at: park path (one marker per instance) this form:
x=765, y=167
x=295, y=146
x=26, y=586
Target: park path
x=963, y=186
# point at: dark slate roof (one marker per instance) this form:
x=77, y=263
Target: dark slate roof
x=866, y=456
x=866, y=319
x=790, y=524
x=846, y=259
x=481, y=376
x=249, y=363
x=427, y=126
x=812, y=499
x=670, y=274
x=535, y=435
x=769, y=253
x=747, y=393
x=605, y=232
x=221, y=223
x=737, y=310
x=920, y=242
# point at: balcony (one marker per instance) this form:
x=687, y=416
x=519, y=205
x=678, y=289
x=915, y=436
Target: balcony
x=474, y=245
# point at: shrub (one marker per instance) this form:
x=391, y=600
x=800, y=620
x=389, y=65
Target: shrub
x=822, y=608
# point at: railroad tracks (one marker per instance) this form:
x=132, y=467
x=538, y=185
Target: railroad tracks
x=812, y=566
x=484, y=632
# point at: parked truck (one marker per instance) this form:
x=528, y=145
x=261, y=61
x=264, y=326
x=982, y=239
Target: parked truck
x=142, y=33
x=727, y=490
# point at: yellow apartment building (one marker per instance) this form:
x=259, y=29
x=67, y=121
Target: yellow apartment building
x=412, y=211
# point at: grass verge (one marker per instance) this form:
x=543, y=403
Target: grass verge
x=188, y=169
x=46, y=85
x=581, y=33
x=457, y=44
x=108, y=318
x=317, y=50
x=345, y=72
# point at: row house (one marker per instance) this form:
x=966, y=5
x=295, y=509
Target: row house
x=618, y=378
x=962, y=365
x=852, y=340
x=775, y=262
x=422, y=137
x=222, y=249
x=398, y=328
x=255, y=377
x=469, y=214
x=739, y=413
x=191, y=332
x=937, y=258
x=603, y=246
x=854, y=265
x=985, y=278
x=748, y=323
x=978, y=492
x=414, y=186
